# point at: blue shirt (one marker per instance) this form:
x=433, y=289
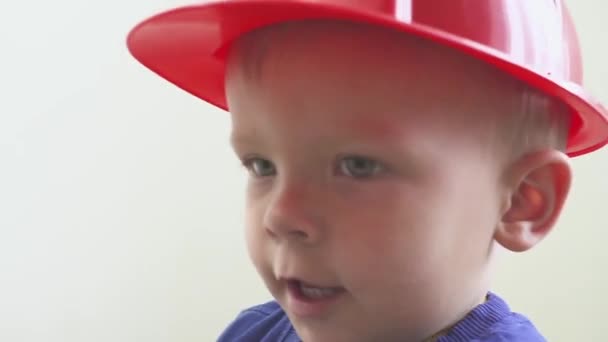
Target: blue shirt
x=492, y=321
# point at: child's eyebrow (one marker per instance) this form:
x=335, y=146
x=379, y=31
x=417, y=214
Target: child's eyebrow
x=241, y=139
x=236, y=140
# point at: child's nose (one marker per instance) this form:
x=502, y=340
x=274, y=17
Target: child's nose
x=294, y=213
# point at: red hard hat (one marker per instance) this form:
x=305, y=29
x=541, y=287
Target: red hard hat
x=532, y=40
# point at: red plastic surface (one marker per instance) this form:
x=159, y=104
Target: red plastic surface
x=534, y=41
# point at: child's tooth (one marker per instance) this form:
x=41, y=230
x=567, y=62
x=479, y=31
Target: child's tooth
x=316, y=292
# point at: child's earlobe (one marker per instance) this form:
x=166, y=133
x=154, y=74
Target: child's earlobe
x=539, y=186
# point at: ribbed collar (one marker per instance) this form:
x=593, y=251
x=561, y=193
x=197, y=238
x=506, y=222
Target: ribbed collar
x=478, y=321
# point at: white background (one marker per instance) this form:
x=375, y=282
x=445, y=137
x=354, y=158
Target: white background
x=120, y=201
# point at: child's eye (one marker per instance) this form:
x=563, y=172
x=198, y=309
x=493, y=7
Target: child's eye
x=359, y=167
x=260, y=167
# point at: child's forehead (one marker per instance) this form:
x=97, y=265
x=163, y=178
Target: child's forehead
x=329, y=78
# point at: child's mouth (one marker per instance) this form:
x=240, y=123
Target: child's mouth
x=310, y=300
x=311, y=292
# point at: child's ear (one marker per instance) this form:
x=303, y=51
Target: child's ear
x=537, y=188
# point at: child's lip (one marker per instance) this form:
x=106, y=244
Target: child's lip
x=303, y=305
x=320, y=284
x=297, y=281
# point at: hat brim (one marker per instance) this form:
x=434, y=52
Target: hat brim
x=186, y=46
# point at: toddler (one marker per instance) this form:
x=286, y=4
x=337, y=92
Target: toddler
x=394, y=148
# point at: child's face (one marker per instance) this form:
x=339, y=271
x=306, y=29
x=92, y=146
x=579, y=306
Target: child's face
x=367, y=178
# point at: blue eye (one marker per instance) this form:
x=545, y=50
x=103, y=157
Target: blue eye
x=359, y=167
x=260, y=167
